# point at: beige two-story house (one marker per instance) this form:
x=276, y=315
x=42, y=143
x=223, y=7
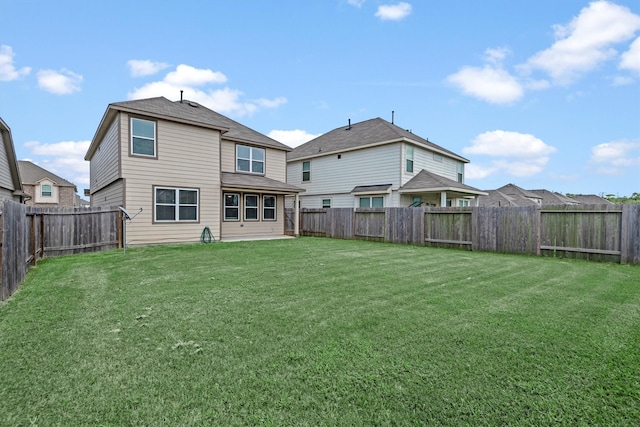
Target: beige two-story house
x=375, y=163
x=178, y=167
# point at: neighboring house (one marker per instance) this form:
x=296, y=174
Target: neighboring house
x=550, y=198
x=377, y=164
x=178, y=167
x=45, y=188
x=510, y=195
x=10, y=182
x=591, y=199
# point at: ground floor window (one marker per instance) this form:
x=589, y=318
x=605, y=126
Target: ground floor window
x=269, y=208
x=250, y=205
x=372, y=202
x=463, y=202
x=326, y=203
x=176, y=204
x=231, y=206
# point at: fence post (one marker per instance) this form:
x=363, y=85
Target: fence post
x=630, y=235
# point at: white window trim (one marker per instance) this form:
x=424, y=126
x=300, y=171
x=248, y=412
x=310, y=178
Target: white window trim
x=274, y=208
x=409, y=158
x=308, y=171
x=224, y=207
x=371, y=200
x=250, y=159
x=257, y=207
x=154, y=139
x=177, y=204
x=42, y=190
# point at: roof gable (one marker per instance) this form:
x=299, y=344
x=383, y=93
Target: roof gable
x=188, y=112
x=429, y=181
x=33, y=174
x=360, y=135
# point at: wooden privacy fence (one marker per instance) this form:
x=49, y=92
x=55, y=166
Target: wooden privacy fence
x=609, y=233
x=28, y=234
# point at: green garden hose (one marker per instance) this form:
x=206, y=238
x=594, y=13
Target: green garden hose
x=206, y=236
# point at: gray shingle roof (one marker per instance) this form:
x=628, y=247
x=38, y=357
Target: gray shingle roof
x=187, y=112
x=368, y=132
x=591, y=199
x=425, y=181
x=32, y=173
x=256, y=182
x=497, y=198
x=553, y=198
x=382, y=188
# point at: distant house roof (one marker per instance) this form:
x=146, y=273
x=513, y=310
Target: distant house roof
x=553, y=198
x=496, y=198
x=9, y=149
x=363, y=134
x=591, y=199
x=32, y=174
x=244, y=181
x=188, y=112
x=426, y=181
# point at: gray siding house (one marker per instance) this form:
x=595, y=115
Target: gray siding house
x=375, y=163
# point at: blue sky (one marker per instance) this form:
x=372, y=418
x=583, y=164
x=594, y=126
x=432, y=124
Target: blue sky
x=542, y=94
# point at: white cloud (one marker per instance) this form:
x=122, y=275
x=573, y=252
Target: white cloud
x=490, y=83
x=63, y=82
x=292, y=138
x=585, y=42
x=144, y=67
x=191, y=76
x=630, y=60
x=516, y=154
x=474, y=171
x=394, y=12
x=613, y=157
x=65, y=159
x=356, y=3
x=8, y=71
x=194, y=81
x=271, y=103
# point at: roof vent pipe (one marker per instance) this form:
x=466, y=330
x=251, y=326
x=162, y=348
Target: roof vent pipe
x=349, y=128
x=393, y=113
x=181, y=96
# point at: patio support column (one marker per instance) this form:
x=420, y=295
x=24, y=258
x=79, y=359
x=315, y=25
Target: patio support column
x=296, y=217
x=443, y=199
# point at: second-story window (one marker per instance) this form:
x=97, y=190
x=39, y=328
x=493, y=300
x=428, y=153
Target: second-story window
x=409, y=165
x=143, y=137
x=249, y=159
x=306, y=171
x=460, y=172
x=46, y=190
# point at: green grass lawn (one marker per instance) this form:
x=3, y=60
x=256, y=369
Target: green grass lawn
x=316, y=332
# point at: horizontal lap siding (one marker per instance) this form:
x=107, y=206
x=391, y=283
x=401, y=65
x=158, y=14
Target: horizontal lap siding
x=331, y=176
x=187, y=158
x=6, y=181
x=423, y=159
x=236, y=229
x=104, y=164
x=275, y=161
